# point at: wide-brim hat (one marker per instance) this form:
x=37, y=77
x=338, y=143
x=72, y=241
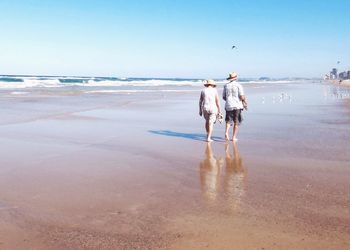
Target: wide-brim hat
x=231, y=76
x=209, y=82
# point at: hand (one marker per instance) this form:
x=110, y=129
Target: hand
x=245, y=105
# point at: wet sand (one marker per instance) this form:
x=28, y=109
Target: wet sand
x=108, y=171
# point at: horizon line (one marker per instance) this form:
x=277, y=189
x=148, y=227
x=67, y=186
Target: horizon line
x=150, y=77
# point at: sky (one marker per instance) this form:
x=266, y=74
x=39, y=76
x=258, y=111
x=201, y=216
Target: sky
x=174, y=38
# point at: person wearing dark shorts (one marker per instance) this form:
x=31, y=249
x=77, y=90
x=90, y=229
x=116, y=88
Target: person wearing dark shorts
x=235, y=101
x=234, y=116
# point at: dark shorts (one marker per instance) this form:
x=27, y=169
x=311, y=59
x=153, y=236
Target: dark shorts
x=234, y=116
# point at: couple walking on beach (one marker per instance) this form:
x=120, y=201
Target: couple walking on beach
x=209, y=105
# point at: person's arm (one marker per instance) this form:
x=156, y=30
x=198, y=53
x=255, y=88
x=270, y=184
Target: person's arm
x=200, y=103
x=242, y=98
x=217, y=101
x=244, y=101
x=224, y=93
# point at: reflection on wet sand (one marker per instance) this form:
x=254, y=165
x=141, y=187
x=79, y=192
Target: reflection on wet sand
x=222, y=178
x=210, y=174
x=235, y=175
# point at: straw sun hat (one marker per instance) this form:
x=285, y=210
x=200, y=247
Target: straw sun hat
x=232, y=76
x=209, y=82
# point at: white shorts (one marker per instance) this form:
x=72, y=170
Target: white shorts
x=209, y=117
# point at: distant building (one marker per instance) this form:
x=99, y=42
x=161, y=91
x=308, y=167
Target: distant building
x=333, y=74
x=343, y=75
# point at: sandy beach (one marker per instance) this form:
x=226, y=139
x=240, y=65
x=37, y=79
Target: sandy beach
x=132, y=171
x=343, y=83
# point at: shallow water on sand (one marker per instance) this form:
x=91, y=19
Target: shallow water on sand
x=133, y=171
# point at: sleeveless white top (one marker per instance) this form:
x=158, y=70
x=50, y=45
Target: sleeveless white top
x=209, y=104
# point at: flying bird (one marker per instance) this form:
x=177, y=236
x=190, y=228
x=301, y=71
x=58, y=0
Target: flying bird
x=338, y=62
x=234, y=47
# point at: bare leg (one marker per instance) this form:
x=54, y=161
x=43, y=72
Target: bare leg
x=235, y=130
x=227, y=149
x=207, y=127
x=210, y=131
x=226, y=131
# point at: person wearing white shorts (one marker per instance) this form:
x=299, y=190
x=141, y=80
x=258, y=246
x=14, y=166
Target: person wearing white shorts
x=209, y=106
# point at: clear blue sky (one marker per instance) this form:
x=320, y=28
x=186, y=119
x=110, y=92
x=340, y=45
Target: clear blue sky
x=174, y=38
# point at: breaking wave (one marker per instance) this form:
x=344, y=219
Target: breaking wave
x=114, y=83
x=15, y=82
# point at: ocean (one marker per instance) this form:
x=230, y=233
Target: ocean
x=22, y=84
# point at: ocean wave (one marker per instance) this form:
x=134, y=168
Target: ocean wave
x=23, y=82
x=124, y=91
x=10, y=79
x=19, y=93
x=139, y=83
x=47, y=83
x=15, y=82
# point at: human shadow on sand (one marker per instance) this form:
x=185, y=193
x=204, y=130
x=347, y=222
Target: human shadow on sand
x=191, y=136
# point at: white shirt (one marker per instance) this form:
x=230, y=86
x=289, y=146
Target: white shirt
x=231, y=94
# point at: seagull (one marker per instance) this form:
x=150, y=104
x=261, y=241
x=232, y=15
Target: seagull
x=234, y=47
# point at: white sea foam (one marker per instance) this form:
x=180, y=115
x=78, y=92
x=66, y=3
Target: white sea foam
x=55, y=82
x=30, y=82
x=19, y=93
x=138, y=83
x=24, y=82
x=124, y=91
x=4, y=85
x=47, y=83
